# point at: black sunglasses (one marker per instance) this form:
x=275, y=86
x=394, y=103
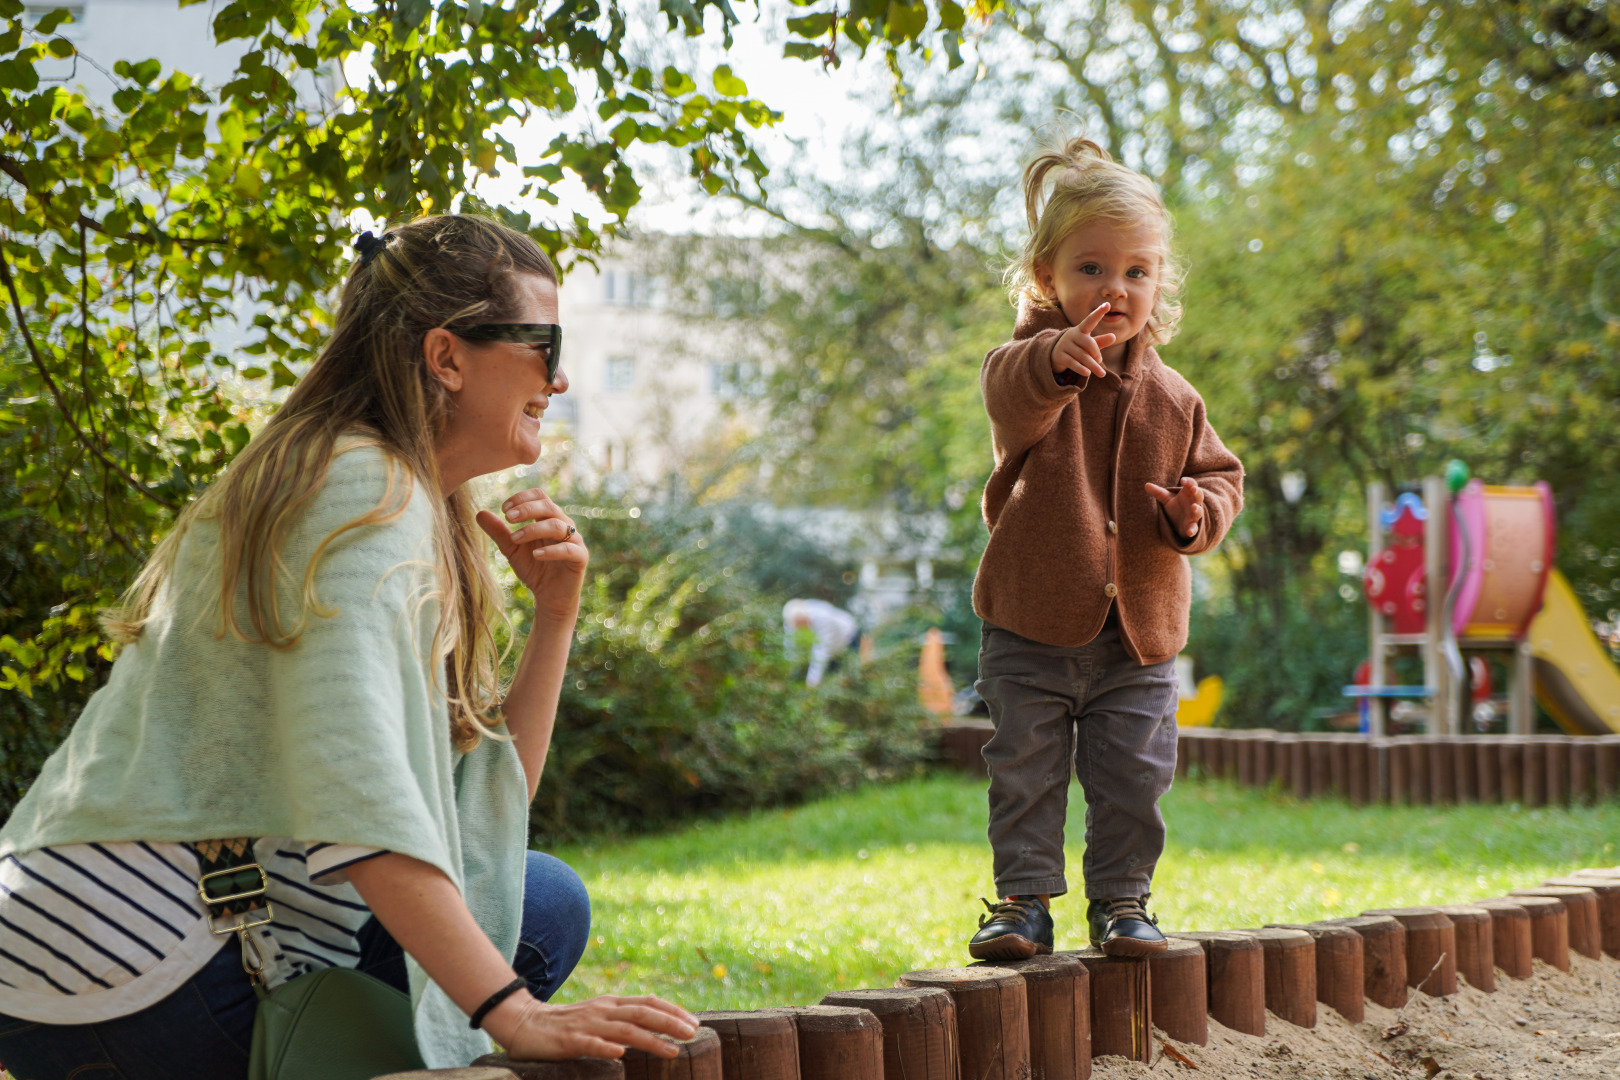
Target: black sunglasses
x=548, y=335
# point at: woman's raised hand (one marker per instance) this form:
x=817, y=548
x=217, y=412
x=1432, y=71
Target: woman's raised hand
x=603, y=1027
x=544, y=547
x=1078, y=351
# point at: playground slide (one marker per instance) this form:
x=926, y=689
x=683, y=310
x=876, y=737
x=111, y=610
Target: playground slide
x=1575, y=679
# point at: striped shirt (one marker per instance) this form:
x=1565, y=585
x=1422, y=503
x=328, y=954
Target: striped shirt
x=89, y=932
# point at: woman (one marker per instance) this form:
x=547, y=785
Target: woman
x=309, y=667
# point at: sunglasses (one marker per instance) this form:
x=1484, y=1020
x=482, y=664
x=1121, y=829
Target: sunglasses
x=545, y=335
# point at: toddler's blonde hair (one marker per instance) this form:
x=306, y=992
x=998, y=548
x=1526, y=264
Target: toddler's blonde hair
x=1073, y=183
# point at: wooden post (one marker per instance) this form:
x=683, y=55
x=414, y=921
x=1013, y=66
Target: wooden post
x=1243, y=749
x=1400, y=771
x=1464, y=776
x=1383, y=957
x=1606, y=769
x=1510, y=751
x=578, y=1069
x=1431, y=949
x=1476, y=944
x=1362, y=787
x=1585, y=926
x=1534, y=788
x=1444, y=708
x=1510, y=937
x=474, y=1072
x=1057, y=989
x=1180, y=992
x=1340, y=974
x=1183, y=757
x=919, y=1030
x=1608, y=901
x=1377, y=707
x=1319, y=752
x=1299, y=765
x=992, y=1018
x=1582, y=771
x=1236, y=968
x=1378, y=784
x=1121, y=1006
x=1339, y=762
x=1282, y=760
x=699, y=1060
x=1487, y=769
x=1442, y=774
x=756, y=1045
x=1264, y=766
x=1549, y=929
x=839, y=1043
x=961, y=745
x=1418, y=774
x=1556, y=748
x=1290, y=962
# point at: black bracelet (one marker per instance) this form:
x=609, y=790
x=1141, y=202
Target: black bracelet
x=495, y=999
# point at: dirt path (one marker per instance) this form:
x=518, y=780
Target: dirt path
x=1551, y=1026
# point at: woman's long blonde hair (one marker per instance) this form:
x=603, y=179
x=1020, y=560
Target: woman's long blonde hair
x=371, y=380
x=1072, y=183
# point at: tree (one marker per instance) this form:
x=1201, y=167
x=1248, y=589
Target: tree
x=131, y=237
x=135, y=239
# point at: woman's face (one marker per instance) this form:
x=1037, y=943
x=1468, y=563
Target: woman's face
x=498, y=391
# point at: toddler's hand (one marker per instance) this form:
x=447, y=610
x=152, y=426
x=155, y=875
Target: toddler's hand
x=1077, y=351
x=1185, y=507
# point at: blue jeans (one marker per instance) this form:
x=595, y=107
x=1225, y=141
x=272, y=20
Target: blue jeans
x=203, y=1029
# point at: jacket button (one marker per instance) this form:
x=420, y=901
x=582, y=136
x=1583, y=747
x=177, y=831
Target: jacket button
x=1112, y=527
x=1110, y=590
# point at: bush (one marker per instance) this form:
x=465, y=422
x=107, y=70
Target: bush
x=679, y=700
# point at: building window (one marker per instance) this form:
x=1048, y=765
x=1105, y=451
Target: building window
x=734, y=379
x=621, y=374
x=625, y=288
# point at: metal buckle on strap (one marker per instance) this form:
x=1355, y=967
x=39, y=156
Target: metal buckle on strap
x=231, y=878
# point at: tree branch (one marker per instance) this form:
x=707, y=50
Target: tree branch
x=56, y=391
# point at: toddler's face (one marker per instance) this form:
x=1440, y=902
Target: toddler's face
x=1107, y=262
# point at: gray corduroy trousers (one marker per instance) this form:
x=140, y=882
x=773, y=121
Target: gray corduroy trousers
x=1115, y=720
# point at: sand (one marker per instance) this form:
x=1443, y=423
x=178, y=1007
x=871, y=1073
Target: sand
x=1551, y=1026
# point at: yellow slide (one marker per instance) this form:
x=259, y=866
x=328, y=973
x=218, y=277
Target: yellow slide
x=1576, y=680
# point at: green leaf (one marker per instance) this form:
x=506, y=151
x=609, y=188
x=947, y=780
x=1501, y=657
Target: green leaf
x=413, y=12
x=812, y=26
x=60, y=47
x=677, y=83
x=475, y=11
x=51, y=20
x=728, y=84
x=802, y=50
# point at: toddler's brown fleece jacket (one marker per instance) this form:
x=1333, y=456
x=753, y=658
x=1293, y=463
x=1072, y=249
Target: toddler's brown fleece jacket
x=1072, y=530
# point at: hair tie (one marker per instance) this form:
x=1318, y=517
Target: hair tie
x=370, y=246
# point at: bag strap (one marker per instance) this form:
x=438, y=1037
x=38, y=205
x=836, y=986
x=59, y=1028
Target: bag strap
x=232, y=888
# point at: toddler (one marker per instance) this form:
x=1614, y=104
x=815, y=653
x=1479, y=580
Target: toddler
x=1107, y=475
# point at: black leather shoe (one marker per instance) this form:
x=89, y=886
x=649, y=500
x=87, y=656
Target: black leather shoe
x=1016, y=929
x=1122, y=927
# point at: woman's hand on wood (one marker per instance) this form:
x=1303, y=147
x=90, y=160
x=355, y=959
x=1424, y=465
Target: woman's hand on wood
x=544, y=547
x=603, y=1027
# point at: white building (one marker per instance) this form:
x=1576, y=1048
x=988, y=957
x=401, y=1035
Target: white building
x=651, y=390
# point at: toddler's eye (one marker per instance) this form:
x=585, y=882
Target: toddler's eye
x=1136, y=272
x=1090, y=268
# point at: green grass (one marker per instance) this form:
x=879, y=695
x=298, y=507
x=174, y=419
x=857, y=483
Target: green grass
x=781, y=907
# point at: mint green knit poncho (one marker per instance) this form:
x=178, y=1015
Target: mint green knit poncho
x=344, y=738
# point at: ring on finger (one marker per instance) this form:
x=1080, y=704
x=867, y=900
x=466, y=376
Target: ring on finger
x=571, y=531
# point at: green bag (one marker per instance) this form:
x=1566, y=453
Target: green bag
x=332, y=1024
